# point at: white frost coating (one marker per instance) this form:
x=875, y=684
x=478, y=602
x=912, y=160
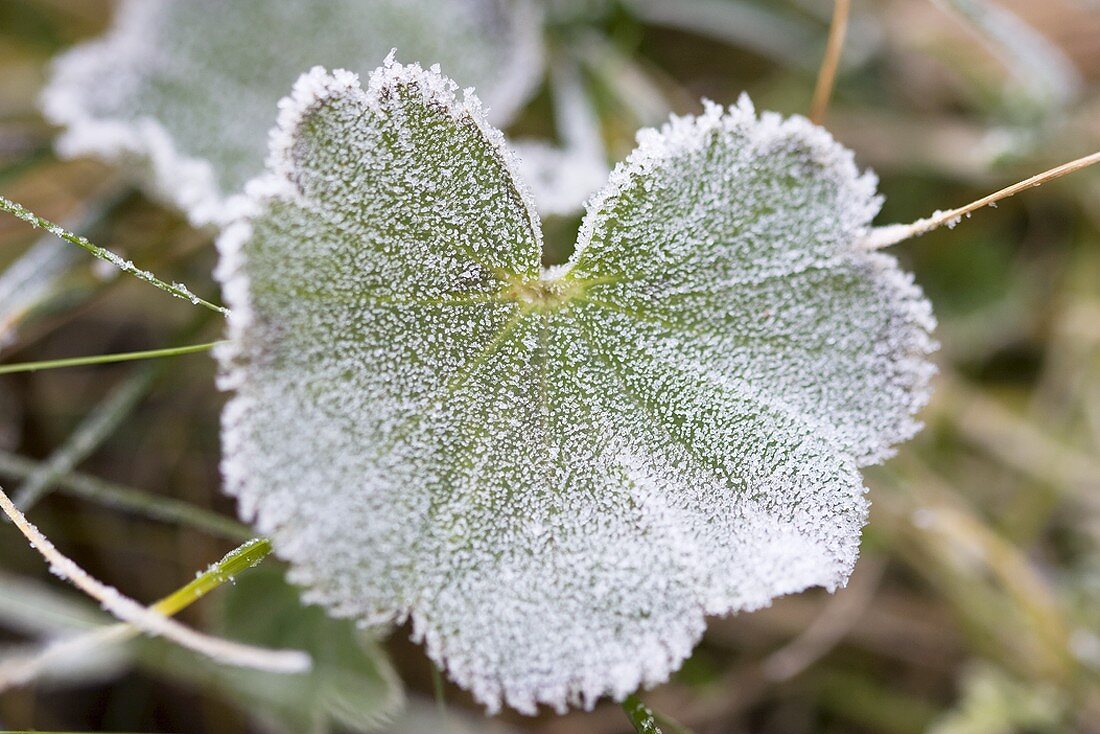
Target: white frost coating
x=557, y=474
x=184, y=90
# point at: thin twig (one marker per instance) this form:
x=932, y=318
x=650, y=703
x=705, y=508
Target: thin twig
x=826, y=76
x=892, y=234
x=111, y=494
x=179, y=290
x=151, y=620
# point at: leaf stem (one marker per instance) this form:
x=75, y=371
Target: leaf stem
x=881, y=237
x=826, y=76
x=440, y=696
x=179, y=290
x=7, y=369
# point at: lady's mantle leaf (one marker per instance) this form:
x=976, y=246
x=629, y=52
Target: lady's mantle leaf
x=557, y=474
x=188, y=88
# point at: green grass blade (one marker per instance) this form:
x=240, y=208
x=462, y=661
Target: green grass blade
x=248, y=555
x=106, y=358
x=641, y=717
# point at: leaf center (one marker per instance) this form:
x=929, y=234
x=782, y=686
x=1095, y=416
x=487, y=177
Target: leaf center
x=550, y=291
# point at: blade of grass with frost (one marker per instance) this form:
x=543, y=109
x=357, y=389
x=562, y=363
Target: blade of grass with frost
x=187, y=89
x=351, y=680
x=148, y=620
x=39, y=278
x=641, y=717
x=557, y=474
x=65, y=650
x=179, y=290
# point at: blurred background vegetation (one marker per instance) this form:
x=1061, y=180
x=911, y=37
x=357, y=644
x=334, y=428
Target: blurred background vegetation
x=975, y=608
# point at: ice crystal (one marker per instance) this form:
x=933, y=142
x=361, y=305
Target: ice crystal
x=187, y=88
x=557, y=474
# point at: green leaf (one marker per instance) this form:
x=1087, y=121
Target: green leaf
x=351, y=684
x=187, y=88
x=557, y=474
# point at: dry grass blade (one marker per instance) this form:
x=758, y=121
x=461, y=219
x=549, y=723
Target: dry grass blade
x=826, y=76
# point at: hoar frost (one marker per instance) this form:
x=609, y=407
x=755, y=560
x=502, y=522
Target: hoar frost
x=556, y=475
x=186, y=89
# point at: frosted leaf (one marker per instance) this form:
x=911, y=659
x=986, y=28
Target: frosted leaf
x=186, y=89
x=557, y=474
